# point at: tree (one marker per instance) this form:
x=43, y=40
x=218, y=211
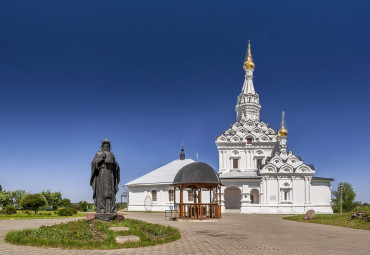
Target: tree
x=16, y=196
x=1, y=188
x=83, y=206
x=348, y=197
x=4, y=198
x=66, y=203
x=53, y=199
x=33, y=202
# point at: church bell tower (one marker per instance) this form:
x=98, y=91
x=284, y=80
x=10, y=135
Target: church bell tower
x=248, y=106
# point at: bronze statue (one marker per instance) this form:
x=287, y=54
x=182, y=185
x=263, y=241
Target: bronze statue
x=105, y=175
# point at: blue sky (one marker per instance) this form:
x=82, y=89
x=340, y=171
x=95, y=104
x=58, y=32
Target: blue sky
x=148, y=75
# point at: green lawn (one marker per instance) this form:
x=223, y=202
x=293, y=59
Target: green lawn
x=40, y=215
x=80, y=235
x=336, y=219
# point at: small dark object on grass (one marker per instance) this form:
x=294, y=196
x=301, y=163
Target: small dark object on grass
x=359, y=215
x=309, y=215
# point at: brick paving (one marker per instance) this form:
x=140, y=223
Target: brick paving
x=234, y=234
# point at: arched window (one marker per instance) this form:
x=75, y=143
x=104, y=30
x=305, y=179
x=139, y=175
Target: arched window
x=170, y=195
x=235, y=163
x=255, y=195
x=154, y=195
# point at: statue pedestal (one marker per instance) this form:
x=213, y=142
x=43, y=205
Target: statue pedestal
x=105, y=216
x=90, y=217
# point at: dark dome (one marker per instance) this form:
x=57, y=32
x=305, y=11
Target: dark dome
x=197, y=172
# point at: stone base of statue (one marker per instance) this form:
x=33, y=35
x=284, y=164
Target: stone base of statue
x=90, y=217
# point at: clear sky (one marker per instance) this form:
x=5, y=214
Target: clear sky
x=149, y=74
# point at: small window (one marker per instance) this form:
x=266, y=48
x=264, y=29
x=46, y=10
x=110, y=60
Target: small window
x=190, y=195
x=154, y=195
x=259, y=163
x=235, y=163
x=170, y=195
x=285, y=195
x=249, y=140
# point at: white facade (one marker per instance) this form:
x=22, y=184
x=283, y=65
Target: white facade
x=150, y=192
x=258, y=173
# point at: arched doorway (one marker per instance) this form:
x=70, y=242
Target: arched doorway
x=232, y=197
x=255, y=196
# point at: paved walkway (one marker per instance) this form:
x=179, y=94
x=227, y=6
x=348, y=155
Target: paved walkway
x=234, y=234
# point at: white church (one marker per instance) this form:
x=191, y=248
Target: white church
x=257, y=172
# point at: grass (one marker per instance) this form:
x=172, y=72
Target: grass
x=81, y=235
x=337, y=219
x=40, y=215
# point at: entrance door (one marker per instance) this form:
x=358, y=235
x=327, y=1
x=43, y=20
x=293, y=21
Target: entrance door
x=233, y=197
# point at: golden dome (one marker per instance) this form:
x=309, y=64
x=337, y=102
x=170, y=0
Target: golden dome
x=283, y=131
x=249, y=61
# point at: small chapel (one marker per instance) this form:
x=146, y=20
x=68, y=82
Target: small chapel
x=257, y=172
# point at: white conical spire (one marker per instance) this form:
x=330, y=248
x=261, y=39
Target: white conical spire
x=248, y=87
x=248, y=106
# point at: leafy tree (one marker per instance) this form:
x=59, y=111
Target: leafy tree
x=4, y=198
x=83, y=206
x=348, y=197
x=53, y=199
x=66, y=203
x=16, y=196
x=33, y=202
x=1, y=188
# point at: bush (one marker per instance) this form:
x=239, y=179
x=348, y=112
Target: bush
x=74, y=211
x=83, y=206
x=33, y=202
x=67, y=212
x=10, y=210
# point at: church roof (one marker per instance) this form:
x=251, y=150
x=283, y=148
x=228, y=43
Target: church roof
x=322, y=178
x=162, y=175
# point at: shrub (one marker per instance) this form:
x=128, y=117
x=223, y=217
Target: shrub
x=33, y=201
x=67, y=212
x=83, y=206
x=74, y=211
x=10, y=210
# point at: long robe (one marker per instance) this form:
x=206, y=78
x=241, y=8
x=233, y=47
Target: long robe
x=105, y=176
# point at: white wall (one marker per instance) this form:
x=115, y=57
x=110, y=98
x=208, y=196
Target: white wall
x=137, y=195
x=320, y=192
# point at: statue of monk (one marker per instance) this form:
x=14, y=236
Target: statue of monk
x=105, y=175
